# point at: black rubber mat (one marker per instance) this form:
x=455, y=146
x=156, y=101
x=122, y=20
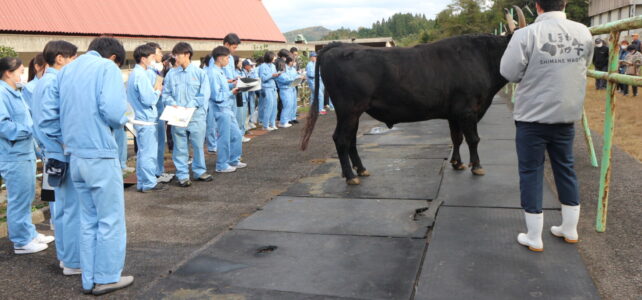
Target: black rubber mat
x=374, y=151
x=366, y=217
x=310, y=264
x=498, y=188
x=417, y=179
x=492, y=152
x=473, y=254
x=419, y=133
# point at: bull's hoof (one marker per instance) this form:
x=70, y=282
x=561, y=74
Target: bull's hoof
x=363, y=173
x=354, y=181
x=459, y=167
x=478, y=171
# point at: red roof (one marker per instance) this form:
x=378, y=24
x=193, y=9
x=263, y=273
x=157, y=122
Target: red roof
x=200, y=19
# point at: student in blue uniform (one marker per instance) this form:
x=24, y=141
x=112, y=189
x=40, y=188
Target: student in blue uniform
x=37, y=67
x=223, y=103
x=187, y=86
x=287, y=92
x=154, y=71
x=309, y=70
x=93, y=103
x=267, y=74
x=143, y=96
x=249, y=71
x=66, y=210
x=241, y=111
x=18, y=160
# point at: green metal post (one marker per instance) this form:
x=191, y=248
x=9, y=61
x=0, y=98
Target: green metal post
x=501, y=27
x=605, y=172
x=512, y=96
x=589, y=139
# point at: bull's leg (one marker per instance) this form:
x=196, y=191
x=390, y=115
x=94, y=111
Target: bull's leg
x=354, y=154
x=472, y=139
x=457, y=137
x=342, y=140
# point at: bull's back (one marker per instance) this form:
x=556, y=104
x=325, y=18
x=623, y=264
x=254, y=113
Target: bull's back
x=413, y=84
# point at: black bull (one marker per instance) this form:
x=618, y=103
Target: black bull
x=454, y=79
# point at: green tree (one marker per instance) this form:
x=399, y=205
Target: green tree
x=7, y=52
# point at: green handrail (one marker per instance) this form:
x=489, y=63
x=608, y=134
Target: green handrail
x=613, y=77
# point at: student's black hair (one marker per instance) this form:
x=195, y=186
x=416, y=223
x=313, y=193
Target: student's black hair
x=55, y=48
x=283, y=53
x=236, y=61
x=182, y=48
x=143, y=51
x=294, y=49
x=154, y=45
x=631, y=47
x=259, y=61
x=268, y=57
x=108, y=46
x=231, y=39
x=9, y=64
x=205, y=61
x=38, y=60
x=220, y=51
x=289, y=59
x=551, y=5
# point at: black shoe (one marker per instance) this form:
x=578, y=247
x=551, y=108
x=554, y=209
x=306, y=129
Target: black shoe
x=205, y=177
x=184, y=183
x=294, y=122
x=159, y=187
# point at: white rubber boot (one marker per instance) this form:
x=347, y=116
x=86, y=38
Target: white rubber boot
x=568, y=229
x=532, y=239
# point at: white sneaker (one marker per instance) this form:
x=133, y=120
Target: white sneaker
x=252, y=126
x=240, y=165
x=287, y=125
x=246, y=139
x=44, y=239
x=270, y=129
x=70, y=272
x=33, y=247
x=532, y=239
x=229, y=169
x=129, y=170
x=568, y=229
x=275, y=128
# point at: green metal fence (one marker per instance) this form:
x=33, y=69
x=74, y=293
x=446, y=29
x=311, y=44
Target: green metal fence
x=613, y=77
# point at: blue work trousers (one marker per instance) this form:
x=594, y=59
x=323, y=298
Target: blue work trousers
x=121, y=141
x=230, y=143
x=146, y=162
x=533, y=140
x=66, y=218
x=270, y=108
x=20, y=178
x=241, y=116
x=160, y=136
x=321, y=93
x=289, y=105
x=180, y=154
x=211, y=130
x=253, y=109
x=103, y=236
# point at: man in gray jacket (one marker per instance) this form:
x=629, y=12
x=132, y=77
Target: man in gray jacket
x=549, y=59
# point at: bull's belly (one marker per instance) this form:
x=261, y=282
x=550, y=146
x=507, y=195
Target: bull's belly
x=392, y=117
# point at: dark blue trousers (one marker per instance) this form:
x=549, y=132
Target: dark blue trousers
x=533, y=140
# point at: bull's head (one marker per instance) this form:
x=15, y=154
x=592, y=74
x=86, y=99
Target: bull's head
x=511, y=22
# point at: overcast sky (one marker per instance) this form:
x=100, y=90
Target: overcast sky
x=332, y=14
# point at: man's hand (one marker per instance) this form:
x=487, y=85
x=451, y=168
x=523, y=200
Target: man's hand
x=235, y=91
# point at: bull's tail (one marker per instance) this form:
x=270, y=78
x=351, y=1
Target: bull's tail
x=313, y=115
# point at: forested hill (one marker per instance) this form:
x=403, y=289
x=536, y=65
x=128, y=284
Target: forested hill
x=460, y=17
